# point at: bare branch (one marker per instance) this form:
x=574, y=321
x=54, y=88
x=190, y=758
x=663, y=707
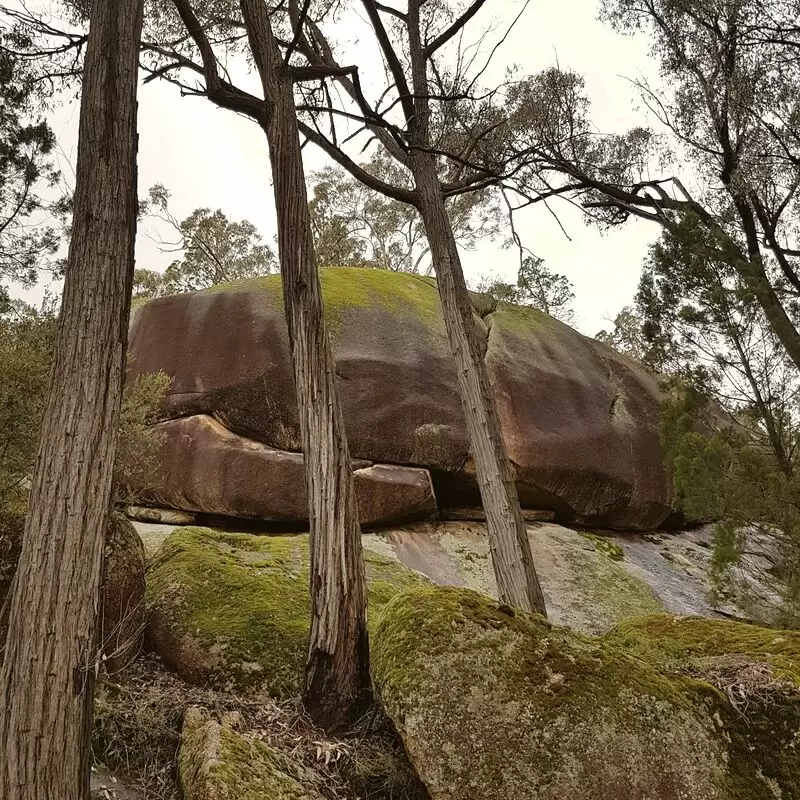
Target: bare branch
x=448, y=33
x=393, y=62
x=395, y=192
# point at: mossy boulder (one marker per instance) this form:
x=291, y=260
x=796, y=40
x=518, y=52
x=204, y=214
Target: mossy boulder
x=217, y=763
x=494, y=703
x=232, y=609
x=122, y=601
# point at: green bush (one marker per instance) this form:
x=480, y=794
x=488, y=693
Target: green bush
x=727, y=475
x=27, y=341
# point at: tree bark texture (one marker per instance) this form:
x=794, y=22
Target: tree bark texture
x=512, y=561
x=515, y=573
x=337, y=671
x=47, y=678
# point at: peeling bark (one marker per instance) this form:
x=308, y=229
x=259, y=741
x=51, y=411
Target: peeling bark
x=337, y=684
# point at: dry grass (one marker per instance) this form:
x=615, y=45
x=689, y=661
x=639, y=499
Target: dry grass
x=138, y=718
x=741, y=680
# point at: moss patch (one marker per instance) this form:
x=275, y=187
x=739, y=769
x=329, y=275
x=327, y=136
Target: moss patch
x=524, y=319
x=676, y=641
x=604, y=545
x=232, y=609
x=347, y=288
x=217, y=763
x=495, y=703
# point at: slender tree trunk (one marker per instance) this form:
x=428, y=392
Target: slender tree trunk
x=337, y=671
x=755, y=277
x=515, y=574
x=47, y=678
x=517, y=582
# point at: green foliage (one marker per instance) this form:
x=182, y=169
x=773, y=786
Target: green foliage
x=696, y=318
x=27, y=341
x=627, y=335
x=138, y=444
x=536, y=287
x=27, y=338
x=215, y=250
x=148, y=283
x=26, y=168
x=357, y=227
x=724, y=474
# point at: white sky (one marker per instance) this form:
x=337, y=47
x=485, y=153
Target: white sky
x=209, y=157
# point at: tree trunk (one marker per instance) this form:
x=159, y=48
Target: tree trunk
x=755, y=278
x=337, y=671
x=47, y=678
x=517, y=582
x=515, y=574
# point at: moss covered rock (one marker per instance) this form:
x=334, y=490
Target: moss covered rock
x=585, y=581
x=493, y=703
x=217, y=763
x=232, y=609
x=122, y=604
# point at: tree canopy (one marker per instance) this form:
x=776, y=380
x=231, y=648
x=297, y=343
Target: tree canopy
x=215, y=250
x=357, y=226
x=28, y=233
x=536, y=287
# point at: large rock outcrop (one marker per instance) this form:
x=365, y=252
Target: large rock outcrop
x=580, y=421
x=204, y=467
x=494, y=703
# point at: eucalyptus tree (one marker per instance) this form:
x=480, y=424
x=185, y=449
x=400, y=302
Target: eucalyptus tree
x=27, y=145
x=450, y=137
x=213, y=248
x=725, y=151
x=698, y=321
x=357, y=226
x=50, y=657
x=537, y=287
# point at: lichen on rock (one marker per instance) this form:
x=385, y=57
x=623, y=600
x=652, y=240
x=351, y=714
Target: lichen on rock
x=585, y=585
x=232, y=609
x=494, y=703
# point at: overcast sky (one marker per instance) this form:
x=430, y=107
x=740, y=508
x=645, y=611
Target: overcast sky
x=209, y=157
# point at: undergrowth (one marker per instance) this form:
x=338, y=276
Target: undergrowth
x=137, y=724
